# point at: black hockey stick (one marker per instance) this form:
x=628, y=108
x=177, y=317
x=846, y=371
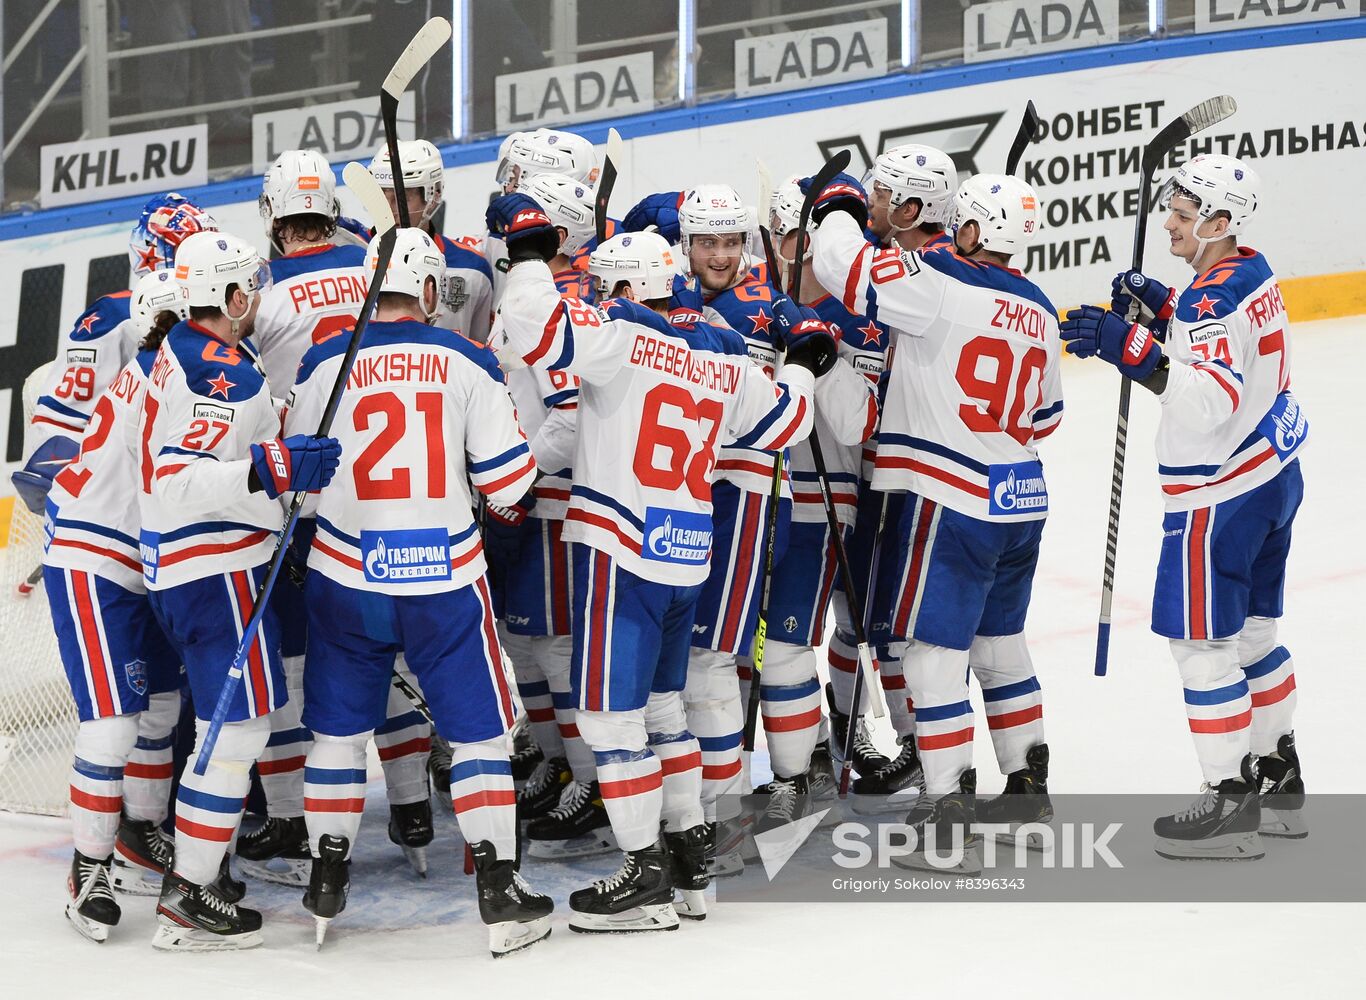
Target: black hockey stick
x=430, y=37
x=603, y=193
x=832, y=167
x=372, y=197
x=1029, y=131
x=1197, y=119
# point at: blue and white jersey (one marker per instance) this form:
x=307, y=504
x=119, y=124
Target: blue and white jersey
x=204, y=405
x=467, y=298
x=425, y=413
x=1229, y=421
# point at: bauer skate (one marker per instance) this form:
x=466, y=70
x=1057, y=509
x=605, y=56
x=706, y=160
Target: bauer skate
x=1024, y=803
x=328, y=883
x=893, y=788
x=93, y=909
x=576, y=828
x=1282, y=792
x=410, y=827
x=688, y=865
x=276, y=851
x=942, y=830
x=142, y=853
x=194, y=917
x=517, y=916
x=1220, y=825
x=637, y=897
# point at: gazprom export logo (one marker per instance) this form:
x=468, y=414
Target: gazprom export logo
x=407, y=555
x=1017, y=488
x=677, y=536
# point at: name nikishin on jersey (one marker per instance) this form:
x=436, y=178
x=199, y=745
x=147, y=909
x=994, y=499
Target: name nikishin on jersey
x=675, y=359
x=399, y=366
x=331, y=291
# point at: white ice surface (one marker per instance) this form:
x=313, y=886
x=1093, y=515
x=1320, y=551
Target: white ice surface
x=1126, y=733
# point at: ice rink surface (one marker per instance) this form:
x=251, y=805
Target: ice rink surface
x=1123, y=733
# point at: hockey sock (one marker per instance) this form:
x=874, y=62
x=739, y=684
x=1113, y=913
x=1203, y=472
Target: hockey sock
x=209, y=806
x=534, y=691
x=790, y=701
x=900, y=707
x=483, y=795
x=629, y=775
x=842, y=657
x=102, y=749
x=716, y=716
x=937, y=678
x=334, y=787
x=1010, y=693
x=403, y=742
x=1218, y=705
x=553, y=655
x=147, y=778
x=680, y=761
x=1270, y=674
x=281, y=766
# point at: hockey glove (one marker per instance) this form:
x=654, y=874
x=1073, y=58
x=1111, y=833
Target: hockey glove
x=503, y=530
x=524, y=226
x=842, y=194
x=687, y=295
x=657, y=210
x=812, y=345
x=34, y=480
x=300, y=462
x=1156, y=301
x=1129, y=347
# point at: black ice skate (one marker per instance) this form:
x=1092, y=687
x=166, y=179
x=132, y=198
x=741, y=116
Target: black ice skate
x=1282, y=792
x=944, y=841
x=637, y=897
x=788, y=801
x=234, y=890
x=93, y=909
x=688, y=865
x=439, y=772
x=328, y=882
x=867, y=758
x=821, y=760
x=726, y=845
x=1024, y=801
x=542, y=790
x=142, y=853
x=276, y=851
x=196, y=918
x=1221, y=825
x=576, y=828
x=517, y=915
x=892, y=788
x=410, y=827
x=525, y=753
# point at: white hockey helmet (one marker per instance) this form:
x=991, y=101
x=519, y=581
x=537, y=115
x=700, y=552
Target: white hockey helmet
x=569, y=204
x=156, y=292
x=207, y=264
x=1005, y=208
x=416, y=258
x=422, y=171
x=523, y=155
x=715, y=210
x=1216, y=183
x=785, y=208
x=921, y=172
x=299, y=182
x=645, y=260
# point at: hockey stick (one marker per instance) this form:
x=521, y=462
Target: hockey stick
x=832, y=167
x=1029, y=131
x=1198, y=118
x=27, y=584
x=603, y=193
x=367, y=189
x=430, y=37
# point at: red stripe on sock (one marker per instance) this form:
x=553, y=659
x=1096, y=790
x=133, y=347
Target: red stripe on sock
x=684, y=762
x=418, y=744
x=624, y=787
x=96, y=803
x=792, y=723
x=333, y=805
x=284, y=766
x=486, y=797
x=943, y=741
x=217, y=834
x=720, y=772
x=1007, y=720
x=149, y=772
x=1227, y=725
x=1260, y=699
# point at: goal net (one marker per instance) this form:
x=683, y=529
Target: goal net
x=37, y=713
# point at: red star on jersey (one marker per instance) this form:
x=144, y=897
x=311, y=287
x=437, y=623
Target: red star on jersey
x=219, y=386
x=872, y=334
x=762, y=321
x=87, y=324
x=1205, y=307
x=148, y=259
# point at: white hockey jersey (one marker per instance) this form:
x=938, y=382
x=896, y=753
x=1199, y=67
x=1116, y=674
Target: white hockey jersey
x=313, y=293
x=974, y=384
x=205, y=404
x=467, y=297
x=92, y=510
x=424, y=408
x=1229, y=421
x=655, y=401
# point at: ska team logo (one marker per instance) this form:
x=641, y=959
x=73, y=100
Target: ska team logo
x=413, y=555
x=677, y=536
x=136, y=672
x=1017, y=488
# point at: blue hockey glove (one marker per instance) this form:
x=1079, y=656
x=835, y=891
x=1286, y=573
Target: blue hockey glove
x=524, y=226
x=1131, y=348
x=843, y=194
x=300, y=462
x=34, y=480
x=1156, y=301
x=658, y=210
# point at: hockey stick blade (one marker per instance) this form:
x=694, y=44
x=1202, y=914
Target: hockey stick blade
x=1178, y=130
x=430, y=37
x=616, y=150
x=363, y=185
x=1028, y=132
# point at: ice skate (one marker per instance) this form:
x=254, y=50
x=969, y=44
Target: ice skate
x=276, y=851
x=1024, y=801
x=542, y=790
x=328, y=883
x=893, y=788
x=1220, y=825
x=93, y=909
x=517, y=916
x=439, y=772
x=576, y=828
x=410, y=827
x=194, y=917
x=525, y=753
x=637, y=897
x=1282, y=792
x=867, y=758
x=688, y=865
x=944, y=842
x=142, y=853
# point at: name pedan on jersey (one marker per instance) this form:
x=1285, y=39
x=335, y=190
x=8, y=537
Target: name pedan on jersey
x=92, y=511
x=314, y=292
x=204, y=405
x=424, y=408
x=974, y=382
x=654, y=401
x=467, y=297
x=1229, y=421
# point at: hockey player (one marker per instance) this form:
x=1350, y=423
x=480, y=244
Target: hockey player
x=100, y=343
x=316, y=290
x=666, y=395
x=467, y=297
x=1227, y=449
x=212, y=467
x=123, y=672
x=910, y=198
x=397, y=564
x=974, y=388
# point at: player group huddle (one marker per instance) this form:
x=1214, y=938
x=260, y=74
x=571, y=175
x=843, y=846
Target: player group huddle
x=564, y=453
